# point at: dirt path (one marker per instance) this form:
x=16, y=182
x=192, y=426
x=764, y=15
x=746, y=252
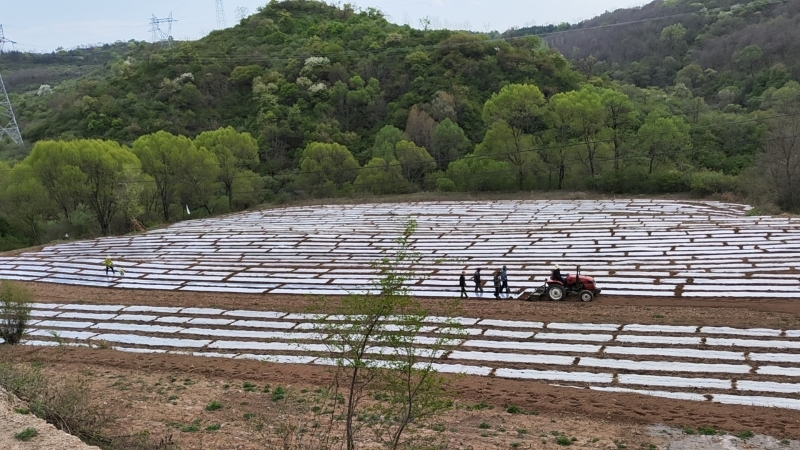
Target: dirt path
x=777, y=313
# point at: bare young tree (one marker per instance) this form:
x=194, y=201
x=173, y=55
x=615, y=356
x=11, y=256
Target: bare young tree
x=383, y=366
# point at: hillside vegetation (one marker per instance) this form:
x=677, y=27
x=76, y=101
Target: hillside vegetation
x=304, y=99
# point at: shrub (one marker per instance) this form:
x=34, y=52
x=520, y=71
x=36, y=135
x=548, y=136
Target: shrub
x=671, y=181
x=705, y=183
x=15, y=311
x=445, y=185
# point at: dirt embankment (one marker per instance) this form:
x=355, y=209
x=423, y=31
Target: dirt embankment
x=12, y=422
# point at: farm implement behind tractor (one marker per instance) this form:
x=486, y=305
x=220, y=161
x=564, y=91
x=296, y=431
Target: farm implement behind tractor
x=557, y=289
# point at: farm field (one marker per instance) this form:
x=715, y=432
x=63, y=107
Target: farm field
x=697, y=323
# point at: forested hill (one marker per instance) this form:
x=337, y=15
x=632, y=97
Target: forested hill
x=294, y=72
x=736, y=48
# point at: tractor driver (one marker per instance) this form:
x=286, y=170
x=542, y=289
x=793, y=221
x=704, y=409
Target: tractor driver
x=557, y=275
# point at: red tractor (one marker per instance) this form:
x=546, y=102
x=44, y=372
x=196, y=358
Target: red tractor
x=557, y=289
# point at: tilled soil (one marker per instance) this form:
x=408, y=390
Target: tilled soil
x=141, y=398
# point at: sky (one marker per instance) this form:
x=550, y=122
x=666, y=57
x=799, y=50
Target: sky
x=45, y=25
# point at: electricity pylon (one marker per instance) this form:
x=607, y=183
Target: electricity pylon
x=159, y=35
x=8, y=122
x=221, y=23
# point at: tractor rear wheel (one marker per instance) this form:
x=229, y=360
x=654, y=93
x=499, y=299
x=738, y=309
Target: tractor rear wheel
x=587, y=296
x=556, y=293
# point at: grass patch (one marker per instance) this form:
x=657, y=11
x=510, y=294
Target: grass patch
x=512, y=409
x=23, y=411
x=563, y=440
x=248, y=386
x=193, y=427
x=213, y=427
x=214, y=406
x=707, y=431
x=479, y=407
x=484, y=426
x=27, y=434
x=278, y=394
x=746, y=434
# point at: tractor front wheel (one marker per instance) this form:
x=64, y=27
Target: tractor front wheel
x=587, y=296
x=556, y=293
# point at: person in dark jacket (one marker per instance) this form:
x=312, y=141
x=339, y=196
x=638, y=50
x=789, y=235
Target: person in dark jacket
x=557, y=275
x=477, y=279
x=462, y=281
x=497, y=283
x=504, y=281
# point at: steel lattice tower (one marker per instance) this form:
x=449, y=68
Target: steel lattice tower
x=159, y=35
x=221, y=23
x=8, y=122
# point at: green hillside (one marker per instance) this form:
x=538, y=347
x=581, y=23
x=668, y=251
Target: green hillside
x=727, y=51
x=305, y=99
x=373, y=73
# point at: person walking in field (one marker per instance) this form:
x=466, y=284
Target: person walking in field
x=497, y=283
x=504, y=281
x=109, y=266
x=477, y=279
x=462, y=281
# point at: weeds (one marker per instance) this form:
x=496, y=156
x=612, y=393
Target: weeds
x=27, y=434
x=192, y=427
x=745, y=435
x=563, y=440
x=278, y=394
x=706, y=431
x=214, y=406
x=513, y=410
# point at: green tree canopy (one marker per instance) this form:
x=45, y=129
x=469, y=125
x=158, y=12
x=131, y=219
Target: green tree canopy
x=415, y=161
x=449, y=143
x=662, y=138
x=236, y=154
x=514, y=115
x=324, y=163
x=382, y=177
x=385, y=142
x=182, y=173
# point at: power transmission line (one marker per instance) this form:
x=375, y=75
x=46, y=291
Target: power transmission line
x=162, y=37
x=221, y=23
x=8, y=121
